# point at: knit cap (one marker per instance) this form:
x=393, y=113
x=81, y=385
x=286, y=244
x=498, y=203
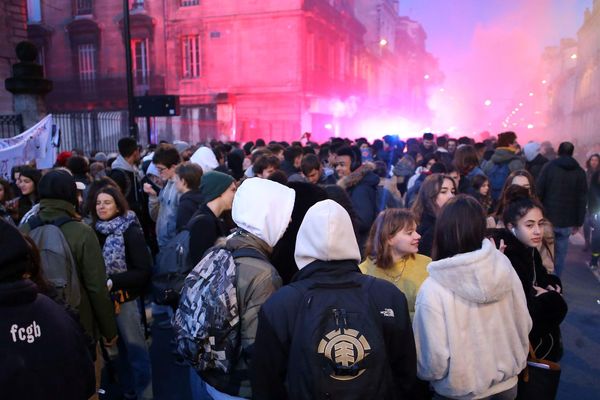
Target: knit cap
x=213, y=185
x=14, y=252
x=58, y=184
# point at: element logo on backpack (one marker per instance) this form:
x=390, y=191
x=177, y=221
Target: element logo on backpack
x=347, y=348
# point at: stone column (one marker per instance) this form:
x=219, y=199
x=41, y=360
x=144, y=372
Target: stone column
x=28, y=85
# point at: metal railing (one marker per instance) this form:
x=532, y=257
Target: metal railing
x=92, y=130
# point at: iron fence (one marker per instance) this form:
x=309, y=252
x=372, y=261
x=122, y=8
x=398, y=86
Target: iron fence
x=92, y=130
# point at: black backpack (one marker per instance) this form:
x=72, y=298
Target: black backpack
x=338, y=349
x=171, y=267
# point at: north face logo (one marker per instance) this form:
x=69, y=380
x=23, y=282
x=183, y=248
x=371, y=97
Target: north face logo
x=346, y=349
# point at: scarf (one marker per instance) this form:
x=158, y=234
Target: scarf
x=114, y=246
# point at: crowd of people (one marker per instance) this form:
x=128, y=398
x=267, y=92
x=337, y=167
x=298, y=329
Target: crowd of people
x=415, y=269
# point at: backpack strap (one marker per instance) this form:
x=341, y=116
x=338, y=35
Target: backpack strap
x=249, y=252
x=35, y=222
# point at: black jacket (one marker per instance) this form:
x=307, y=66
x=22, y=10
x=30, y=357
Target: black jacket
x=288, y=168
x=43, y=351
x=548, y=309
x=361, y=186
x=205, y=228
x=277, y=317
x=562, y=188
x=189, y=203
x=426, y=228
x=138, y=259
x=535, y=166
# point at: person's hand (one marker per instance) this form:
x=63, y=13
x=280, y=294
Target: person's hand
x=539, y=290
x=556, y=288
x=502, y=246
x=149, y=190
x=110, y=342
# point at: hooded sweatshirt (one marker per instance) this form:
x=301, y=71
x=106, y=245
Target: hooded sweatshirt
x=262, y=210
x=205, y=158
x=504, y=155
x=471, y=325
x=326, y=234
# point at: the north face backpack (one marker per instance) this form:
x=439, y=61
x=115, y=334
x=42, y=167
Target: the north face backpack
x=171, y=268
x=207, y=322
x=57, y=261
x=497, y=176
x=338, y=347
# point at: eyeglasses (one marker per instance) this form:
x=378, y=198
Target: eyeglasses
x=161, y=169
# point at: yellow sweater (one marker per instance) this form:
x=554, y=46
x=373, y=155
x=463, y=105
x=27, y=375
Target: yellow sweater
x=409, y=282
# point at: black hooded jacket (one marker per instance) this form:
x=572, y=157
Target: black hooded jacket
x=189, y=204
x=271, y=363
x=562, y=188
x=548, y=309
x=43, y=351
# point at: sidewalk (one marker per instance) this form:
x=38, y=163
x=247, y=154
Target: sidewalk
x=580, y=378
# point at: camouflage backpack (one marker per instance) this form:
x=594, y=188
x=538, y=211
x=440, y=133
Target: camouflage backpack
x=207, y=322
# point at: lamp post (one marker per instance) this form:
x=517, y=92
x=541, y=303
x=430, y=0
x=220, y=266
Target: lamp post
x=133, y=128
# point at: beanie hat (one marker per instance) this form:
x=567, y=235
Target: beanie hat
x=214, y=184
x=101, y=157
x=14, y=253
x=58, y=184
x=34, y=174
x=180, y=145
x=531, y=150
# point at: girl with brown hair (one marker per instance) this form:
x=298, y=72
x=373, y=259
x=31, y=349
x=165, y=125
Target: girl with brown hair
x=435, y=191
x=392, y=253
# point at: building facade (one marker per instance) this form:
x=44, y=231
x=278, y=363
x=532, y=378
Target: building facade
x=13, y=17
x=571, y=72
x=242, y=69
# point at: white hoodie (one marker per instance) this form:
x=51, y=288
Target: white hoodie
x=326, y=234
x=471, y=325
x=263, y=208
x=205, y=158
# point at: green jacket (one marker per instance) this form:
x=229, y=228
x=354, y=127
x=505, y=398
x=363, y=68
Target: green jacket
x=96, y=311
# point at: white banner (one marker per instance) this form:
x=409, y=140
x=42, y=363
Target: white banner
x=38, y=143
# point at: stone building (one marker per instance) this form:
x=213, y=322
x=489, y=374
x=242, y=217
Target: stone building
x=571, y=72
x=13, y=17
x=586, y=103
x=242, y=69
